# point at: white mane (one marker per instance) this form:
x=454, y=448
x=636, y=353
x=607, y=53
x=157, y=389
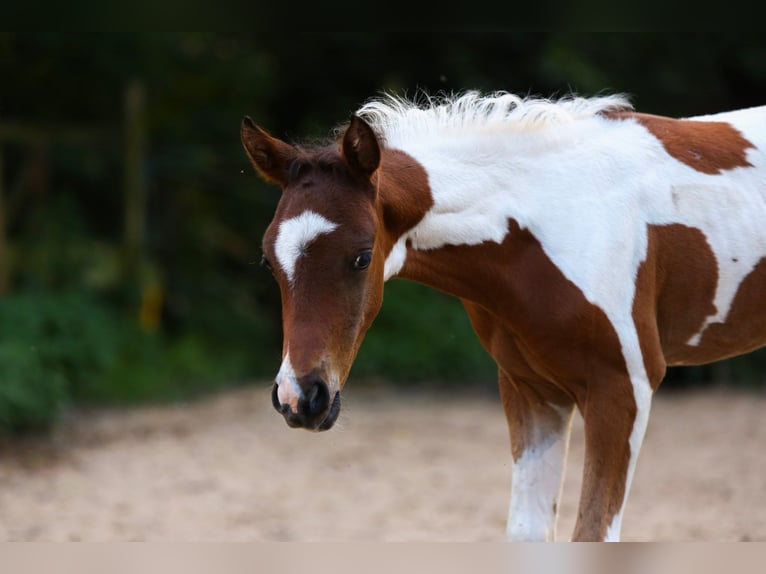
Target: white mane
x=396, y=118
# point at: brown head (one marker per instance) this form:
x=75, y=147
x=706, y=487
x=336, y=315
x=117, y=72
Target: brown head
x=323, y=248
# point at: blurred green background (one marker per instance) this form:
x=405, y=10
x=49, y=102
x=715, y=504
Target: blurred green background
x=130, y=219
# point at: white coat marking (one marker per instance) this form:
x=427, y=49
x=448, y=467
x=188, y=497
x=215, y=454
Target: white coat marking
x=289, y=391
x=613, y=532
x=294, y=237
x=395, y=259
x=536, y=487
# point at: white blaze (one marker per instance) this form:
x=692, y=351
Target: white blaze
x=294, y=237
x=288, y=390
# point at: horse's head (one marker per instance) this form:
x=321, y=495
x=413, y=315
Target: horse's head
x=323, y=249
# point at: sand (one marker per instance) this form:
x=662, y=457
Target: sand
x=401, y=465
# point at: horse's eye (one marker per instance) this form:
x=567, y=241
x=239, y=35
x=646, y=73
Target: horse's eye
x=265, y=263
x=362, y=260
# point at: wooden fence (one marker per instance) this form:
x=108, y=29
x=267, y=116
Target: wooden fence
x=36, y=140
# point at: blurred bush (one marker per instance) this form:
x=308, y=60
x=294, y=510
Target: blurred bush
x=57, y=349
x=50, y=347
x=422, y=334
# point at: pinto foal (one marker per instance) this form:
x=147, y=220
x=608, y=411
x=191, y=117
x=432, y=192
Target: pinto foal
x=591, y=246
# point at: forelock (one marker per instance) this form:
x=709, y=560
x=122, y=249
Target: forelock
x=324, y=160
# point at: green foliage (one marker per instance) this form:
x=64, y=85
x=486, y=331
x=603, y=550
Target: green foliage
x=50, y=346
x=151, y=368
x=422, y=334
x=743, y=372
x=32, y=394
x=62, y=348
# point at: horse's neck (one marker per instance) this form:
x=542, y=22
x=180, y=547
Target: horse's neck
x=497, y=196
x=465, y=195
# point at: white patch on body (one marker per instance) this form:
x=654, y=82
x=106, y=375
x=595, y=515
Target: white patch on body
x=294, y=237
x=395, y=259
x=289, y=391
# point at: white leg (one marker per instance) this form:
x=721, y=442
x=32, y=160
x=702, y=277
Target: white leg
x=538, y=478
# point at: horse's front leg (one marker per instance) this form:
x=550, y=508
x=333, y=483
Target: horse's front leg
x=539, y=431
x=616, y=414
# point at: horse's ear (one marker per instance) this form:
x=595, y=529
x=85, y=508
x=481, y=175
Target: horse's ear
x=270, y=156
x=360, y=147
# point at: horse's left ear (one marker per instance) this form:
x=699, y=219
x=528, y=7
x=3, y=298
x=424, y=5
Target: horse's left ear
x=361, y=149
x=269, y=155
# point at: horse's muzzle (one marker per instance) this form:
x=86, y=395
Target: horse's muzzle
x=315, y=410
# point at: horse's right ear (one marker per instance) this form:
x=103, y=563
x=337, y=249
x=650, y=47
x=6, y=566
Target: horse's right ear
x=270, y=156
x=360, y=147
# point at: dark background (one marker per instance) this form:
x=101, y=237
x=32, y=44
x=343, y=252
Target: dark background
x=130, y=219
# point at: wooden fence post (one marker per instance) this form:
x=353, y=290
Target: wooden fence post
x=134, y=181
x=4, y=263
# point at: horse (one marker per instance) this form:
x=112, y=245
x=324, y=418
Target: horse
x=591, y=245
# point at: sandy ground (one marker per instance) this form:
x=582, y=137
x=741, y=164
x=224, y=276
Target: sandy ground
x=399, y=466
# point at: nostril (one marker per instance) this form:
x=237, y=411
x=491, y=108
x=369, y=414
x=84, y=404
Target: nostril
x=275, y=399
x=318, y=398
